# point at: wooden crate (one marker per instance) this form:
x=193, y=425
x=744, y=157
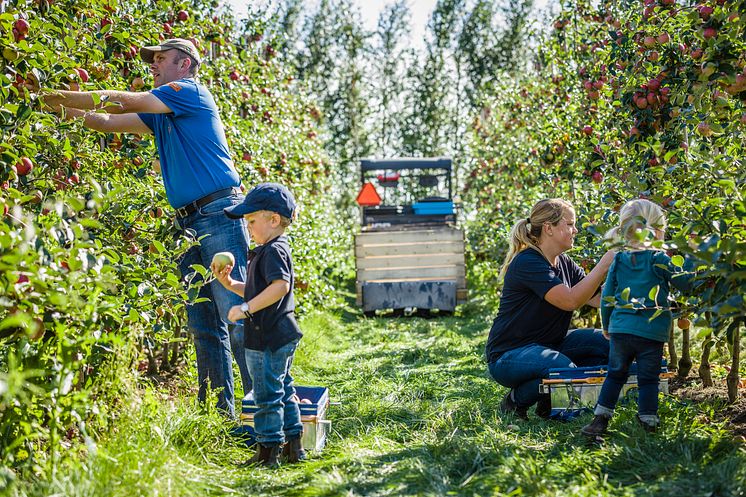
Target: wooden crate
x=416, y=254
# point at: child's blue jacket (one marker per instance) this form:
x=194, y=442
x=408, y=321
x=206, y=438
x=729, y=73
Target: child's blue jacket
x=632, y=311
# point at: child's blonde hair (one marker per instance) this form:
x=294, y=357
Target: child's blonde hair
x=526, y=232
x=638, y=220
x=284, y=221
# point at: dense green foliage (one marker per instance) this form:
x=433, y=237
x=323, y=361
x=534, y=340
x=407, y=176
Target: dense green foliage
x=631, y=101
x=90, y=290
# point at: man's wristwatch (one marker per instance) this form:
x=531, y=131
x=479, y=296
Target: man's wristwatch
x=245, y=309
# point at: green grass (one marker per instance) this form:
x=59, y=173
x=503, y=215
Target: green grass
x=417, y=416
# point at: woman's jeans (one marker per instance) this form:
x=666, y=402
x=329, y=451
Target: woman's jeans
x=214, y=336
x=522, y=369
x=626, y=348
x=278, y=415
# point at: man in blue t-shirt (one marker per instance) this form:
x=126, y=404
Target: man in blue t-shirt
x=200, y=181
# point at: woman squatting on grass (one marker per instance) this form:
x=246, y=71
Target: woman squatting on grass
x=542, y=287
x=635, y=313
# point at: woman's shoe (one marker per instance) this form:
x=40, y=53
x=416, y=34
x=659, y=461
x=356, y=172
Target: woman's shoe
x=509, y=406
x=544, y=406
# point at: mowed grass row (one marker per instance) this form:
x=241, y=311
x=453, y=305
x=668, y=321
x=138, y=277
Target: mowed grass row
x=417, y=416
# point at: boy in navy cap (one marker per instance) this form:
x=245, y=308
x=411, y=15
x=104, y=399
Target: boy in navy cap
x=271, y=333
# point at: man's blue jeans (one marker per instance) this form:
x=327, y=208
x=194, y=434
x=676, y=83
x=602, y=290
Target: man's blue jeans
x=522, y=369
x=214, y=336
x=626, y=348
x=278, y=415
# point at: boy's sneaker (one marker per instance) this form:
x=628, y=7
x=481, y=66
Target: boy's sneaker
x=648, y=427
x=597, y=427
x=509, y=406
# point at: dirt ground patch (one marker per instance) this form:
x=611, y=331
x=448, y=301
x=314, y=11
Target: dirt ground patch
x=691, y=389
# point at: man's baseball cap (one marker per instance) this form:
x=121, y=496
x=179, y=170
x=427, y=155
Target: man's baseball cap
x=271, y=197
x=186, y=46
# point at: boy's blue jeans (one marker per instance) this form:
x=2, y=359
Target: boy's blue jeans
x=278, y=415
x=214, y=336
x=626, y=348
x=522, y=369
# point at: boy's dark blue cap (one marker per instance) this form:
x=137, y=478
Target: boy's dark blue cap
x=271, y=197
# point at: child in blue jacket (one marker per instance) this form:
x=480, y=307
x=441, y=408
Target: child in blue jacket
x=635, y=313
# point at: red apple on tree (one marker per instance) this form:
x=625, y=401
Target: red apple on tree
x=597, y=177
x=182, y=15
x=82, y=74
x=137, y=83
x=24, y=166
x=20, y=29
x=704, y=129
x=705, y=11
x=709, y=32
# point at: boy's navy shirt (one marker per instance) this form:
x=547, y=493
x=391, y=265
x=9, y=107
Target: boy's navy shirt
x=524, y=316
x=275, y=325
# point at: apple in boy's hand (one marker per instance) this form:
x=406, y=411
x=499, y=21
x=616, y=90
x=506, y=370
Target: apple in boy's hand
x=222, y=259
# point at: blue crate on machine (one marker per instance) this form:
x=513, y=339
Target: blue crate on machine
x=313, y=415
x=433, y=208
x=576, y=390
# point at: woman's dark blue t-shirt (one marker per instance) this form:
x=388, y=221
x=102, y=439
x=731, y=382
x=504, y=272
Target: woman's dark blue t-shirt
x=524, y=316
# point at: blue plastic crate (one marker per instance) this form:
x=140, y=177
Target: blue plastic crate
x=433, y=208
x=575, y=390
x=319, y=397
x=313, y=415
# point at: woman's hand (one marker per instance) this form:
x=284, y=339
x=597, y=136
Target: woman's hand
x=606, y=260
x=606, y=334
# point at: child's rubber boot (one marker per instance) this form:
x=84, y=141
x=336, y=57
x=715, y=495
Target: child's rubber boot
x=265, y=455
x=597, y=427
x=293, y=450
x=648, y=427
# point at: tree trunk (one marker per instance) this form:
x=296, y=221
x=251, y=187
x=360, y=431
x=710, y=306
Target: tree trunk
x=733, y=379
x=165, y=363
x=685, y=363
x=152, y=363
x=704, y=365
x=673, y=359
x=176, y=348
